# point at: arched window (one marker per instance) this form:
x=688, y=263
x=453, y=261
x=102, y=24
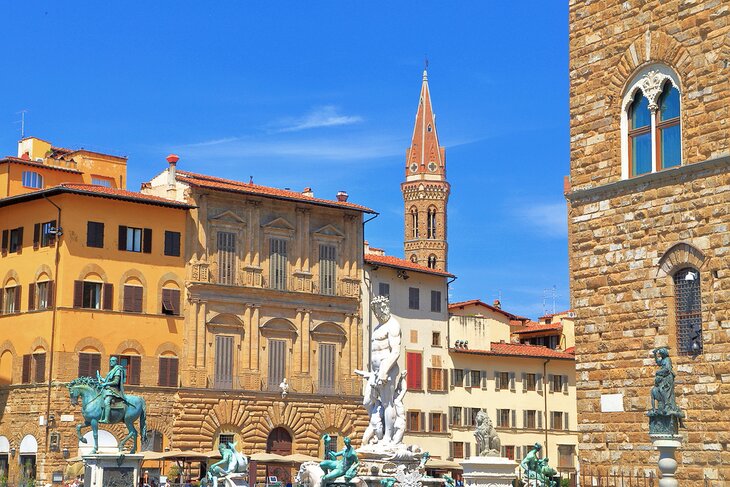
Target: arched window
x=6, y=368
x=131, y=360
x=688, y=311
x=133, y=297
x=651, y=129
x=89, y=362
x=432, y=261
x=32, y=179
x=432, y=222
x=414, y=222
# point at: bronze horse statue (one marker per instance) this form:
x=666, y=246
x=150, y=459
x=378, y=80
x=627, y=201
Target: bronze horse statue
x=90, y=391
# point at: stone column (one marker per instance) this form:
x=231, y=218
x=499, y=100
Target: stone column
x=255, y=336
x=667, y=463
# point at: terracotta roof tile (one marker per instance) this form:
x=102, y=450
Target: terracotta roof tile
x=518, y=350
x=478, y=302
x=103, y=191
x=39, y=165
x=204, y=181
x=388, y=261
x=539, y=327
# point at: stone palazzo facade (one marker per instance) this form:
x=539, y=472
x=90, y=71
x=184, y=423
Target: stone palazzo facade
x=649, y=227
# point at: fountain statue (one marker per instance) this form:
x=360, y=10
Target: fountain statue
x=535, y=470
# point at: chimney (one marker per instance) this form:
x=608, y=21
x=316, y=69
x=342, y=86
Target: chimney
x=308, y=192
x=497, y=304
x=172, y=176
x=342, y=196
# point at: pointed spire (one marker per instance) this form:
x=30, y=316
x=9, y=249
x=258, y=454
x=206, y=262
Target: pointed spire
x=425, y=156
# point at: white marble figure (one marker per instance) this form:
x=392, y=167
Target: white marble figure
x=383, y=379
x=284, y=386
x=310, y=474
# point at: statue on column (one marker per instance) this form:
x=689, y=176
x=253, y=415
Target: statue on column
x=384, y=381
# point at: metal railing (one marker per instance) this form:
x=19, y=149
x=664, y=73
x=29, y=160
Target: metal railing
x=590, y=478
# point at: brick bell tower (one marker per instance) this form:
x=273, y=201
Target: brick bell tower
x=425, y=190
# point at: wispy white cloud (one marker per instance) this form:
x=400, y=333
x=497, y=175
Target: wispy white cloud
x=352, y=147
x=550, y=218
x=324, y=116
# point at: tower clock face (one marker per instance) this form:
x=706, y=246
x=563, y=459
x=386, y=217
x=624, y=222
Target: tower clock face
x=414, y=167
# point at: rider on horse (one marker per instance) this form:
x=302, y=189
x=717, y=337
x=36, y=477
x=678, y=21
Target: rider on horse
x=113, y=385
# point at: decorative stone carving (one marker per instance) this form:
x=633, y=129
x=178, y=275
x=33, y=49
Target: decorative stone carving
x=651, y=85
x=488, y=443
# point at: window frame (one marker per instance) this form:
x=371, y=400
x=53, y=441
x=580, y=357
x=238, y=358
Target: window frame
x=39, y=180
x=95, y=234
x=414, y=298
x=172, y=243
x=686, y=319
x=435, y=301
x=651, y=81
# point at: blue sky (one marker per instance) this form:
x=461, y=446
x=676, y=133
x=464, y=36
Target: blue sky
x=322, y=94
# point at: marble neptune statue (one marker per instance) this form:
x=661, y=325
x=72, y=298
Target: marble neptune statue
x=384, y=381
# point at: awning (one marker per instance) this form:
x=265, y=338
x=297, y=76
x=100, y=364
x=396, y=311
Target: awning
x=183, y=455
x=268, y=458
x=302, y=458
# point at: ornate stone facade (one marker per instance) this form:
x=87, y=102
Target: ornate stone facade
x=425, y=190
x=631, y=237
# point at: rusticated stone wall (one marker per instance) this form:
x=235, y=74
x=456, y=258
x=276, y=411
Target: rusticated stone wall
x=627, y=237
x=187, y=418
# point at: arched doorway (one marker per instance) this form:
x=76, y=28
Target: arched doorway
x=279, y=442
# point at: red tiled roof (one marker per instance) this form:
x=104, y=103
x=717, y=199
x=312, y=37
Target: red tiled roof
x=477, y=302
x=97, y=191
x=388, y=261
x=556, y=314
x=538, y=327
x=103, y=191
x=570, y=350
x=212, y=182
x=39, y=165
x=518, y=350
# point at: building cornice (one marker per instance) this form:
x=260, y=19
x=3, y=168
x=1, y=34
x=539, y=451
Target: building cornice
x=673, y=175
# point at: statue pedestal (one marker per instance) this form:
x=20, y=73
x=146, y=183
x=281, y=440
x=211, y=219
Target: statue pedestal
x=112, y=470
x=667, y=446
x=489, y=471
x=393, y=463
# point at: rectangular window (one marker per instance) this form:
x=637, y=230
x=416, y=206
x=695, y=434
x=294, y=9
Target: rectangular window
x=435, y=339
x=530, y=419
x=530, y=382
x=16, y=240
x=132, y=239
x=226, y=438
x=168, y=371
x=556, y=383
x=437, y=423
x=44, y=234
x=171, y=302
x=503, y=417
x=384, y=289
x=458, y=378
x=32, y=179
x=476, y=377
x=327, y=269
x=502, y=380
x=91, y=298
x=437, y=380
x=331, y=445
x=508, y=452
x=132, y=365
x=278, y=263
x=89, y=364
x=43, y=297
x=99, y=181
x=435, y=301
x=226, y=258
x=455, y=414
x=277, y=363
x=556, y=420
x=223, y=362
x=566, y=456
x=39, y=367
x=327, y=354
x=471, y=416
x=457, y=449
x=172, y=243
x=133, y=299
x=95, y=235
x=413, y=298
x=414, y=421
x=11, y=300
x=414, y=363
x=414, y=336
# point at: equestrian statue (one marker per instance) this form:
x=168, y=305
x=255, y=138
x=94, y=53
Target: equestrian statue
x=103, y=401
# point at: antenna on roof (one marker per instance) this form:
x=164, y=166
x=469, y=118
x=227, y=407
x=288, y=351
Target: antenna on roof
x=250, y=180
x=22, y=122
x=547, y=293
x=425, y=62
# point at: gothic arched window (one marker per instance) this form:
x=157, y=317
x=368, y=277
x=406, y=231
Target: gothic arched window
x=431, y=222
x=688, y=311
x=651, y=129
x=414, y=222
x=432, y=261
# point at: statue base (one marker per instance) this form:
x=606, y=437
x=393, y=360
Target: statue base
x=489, y=471
x=667, y=446
x=401, y=464
x=112, y=470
